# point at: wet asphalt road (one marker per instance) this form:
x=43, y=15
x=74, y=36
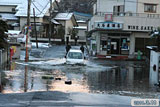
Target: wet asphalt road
x=99, y=79
x=56, y=98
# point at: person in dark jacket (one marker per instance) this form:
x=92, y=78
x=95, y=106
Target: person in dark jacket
x=68, y=47
x=82, y=48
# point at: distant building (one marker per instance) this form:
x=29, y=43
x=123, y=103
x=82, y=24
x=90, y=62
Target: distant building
x=122, y=27
x=15, y=12
x=82, y=20
x=82, y=16
x=66, y=21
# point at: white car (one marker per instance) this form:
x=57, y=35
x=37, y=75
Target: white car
x=75, y=57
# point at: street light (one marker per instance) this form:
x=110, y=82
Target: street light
x=156, y=33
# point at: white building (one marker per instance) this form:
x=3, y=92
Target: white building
x=121, y=27
x=68, y=22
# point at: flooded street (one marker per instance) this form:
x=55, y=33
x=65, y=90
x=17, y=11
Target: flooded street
x=126, y=78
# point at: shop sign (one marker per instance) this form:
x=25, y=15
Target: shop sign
x=108, y=25
x=140, y=28
x=103, y=37
x=108, y=17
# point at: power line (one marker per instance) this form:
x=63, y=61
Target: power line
x=41, y=11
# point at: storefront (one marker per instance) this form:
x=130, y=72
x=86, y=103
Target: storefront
x=111, y=43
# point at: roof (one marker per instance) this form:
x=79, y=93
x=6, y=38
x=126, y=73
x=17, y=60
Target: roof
x=55, y=22
x=41, y=7
x=63, y=16
x=83, y=14
x=8, y=16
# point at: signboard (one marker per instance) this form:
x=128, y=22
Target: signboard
x=108, y=25
x=108, y=17
x=140, y=28
x=104, y=37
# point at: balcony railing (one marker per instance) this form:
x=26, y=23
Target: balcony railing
x=129, y=14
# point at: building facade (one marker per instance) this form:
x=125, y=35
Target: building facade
x=122, y=27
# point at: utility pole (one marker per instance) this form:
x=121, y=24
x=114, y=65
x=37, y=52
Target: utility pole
x=124, y=6
x=35, y=30
x=50, y=23
x=28, y=32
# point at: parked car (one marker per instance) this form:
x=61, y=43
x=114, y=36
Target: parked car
x=75, y=57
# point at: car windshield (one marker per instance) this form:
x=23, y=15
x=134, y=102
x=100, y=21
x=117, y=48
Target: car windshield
x=75, y=55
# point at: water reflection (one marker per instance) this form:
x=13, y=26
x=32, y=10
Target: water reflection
x=3, y=81
x=130, y=79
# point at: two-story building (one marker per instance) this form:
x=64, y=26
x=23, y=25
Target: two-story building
x=122, y=27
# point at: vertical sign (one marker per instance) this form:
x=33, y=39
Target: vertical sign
x=108, y=17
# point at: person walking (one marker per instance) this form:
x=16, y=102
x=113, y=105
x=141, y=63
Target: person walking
x=82, y=48
x=68, y=47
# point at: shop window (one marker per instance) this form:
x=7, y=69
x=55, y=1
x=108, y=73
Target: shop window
x=129, y=27
x=104, y=45
x=137, y=28
x=125, y=44
x=98, y=25
x=118, y=25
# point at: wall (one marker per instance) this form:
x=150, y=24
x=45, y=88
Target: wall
x=69, y=24
x=154, y=60
x=7, y=8
x=137, y=21
x=131, y=6
x=107, y=5
x=82, y=35
x=23, y=21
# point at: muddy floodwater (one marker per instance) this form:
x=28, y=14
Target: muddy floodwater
x=129, y=78
x=107, y=77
